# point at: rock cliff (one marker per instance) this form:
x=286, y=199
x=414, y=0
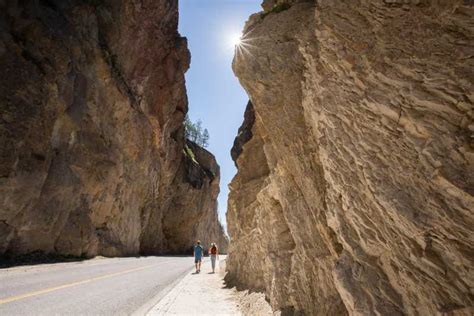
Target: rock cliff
x=93, y=158
x=194, y=206
x=354, y=191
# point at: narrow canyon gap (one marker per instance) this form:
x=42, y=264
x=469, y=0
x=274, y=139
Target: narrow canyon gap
x=354, y=192
x=355, y=158
x=215, y=96
x=92, y=158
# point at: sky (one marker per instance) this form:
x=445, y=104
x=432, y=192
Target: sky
x=214, y=93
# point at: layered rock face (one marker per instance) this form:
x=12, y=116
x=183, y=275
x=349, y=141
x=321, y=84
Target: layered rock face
x=354, y=192
x=92, y=102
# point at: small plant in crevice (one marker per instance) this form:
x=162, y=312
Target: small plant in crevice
x=189, y=152
x=277, y=8
x=195, y=133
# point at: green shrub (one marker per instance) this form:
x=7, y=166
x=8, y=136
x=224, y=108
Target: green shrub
x=277, y=8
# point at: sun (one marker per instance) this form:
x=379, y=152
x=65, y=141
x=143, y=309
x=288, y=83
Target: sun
x=235, y=39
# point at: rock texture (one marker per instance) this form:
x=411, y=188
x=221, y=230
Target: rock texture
x=354, y=193
x=194, y=206
x=92, y=101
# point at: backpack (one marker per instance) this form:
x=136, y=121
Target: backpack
x=214, y=250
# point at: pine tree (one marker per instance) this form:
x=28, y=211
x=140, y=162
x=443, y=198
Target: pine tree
x=205, y=138
x=195, y=133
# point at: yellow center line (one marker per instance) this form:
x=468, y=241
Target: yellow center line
x=52, y=289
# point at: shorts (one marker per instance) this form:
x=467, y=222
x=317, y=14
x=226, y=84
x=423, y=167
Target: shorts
x=197, y=259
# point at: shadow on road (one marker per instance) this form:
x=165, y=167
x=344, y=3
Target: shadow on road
x=38, y=257
x=9, y=261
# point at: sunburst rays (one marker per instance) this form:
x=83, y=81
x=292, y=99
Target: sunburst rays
x=245, y=46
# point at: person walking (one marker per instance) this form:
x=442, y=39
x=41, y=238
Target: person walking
x=198, y=253
x=214, y=253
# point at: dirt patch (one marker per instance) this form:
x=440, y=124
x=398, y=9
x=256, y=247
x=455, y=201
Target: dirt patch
x=249, y=303
x=254, y=304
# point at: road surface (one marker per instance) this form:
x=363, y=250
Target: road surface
x=108, y=286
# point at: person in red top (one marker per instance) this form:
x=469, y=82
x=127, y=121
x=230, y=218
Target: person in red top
x=214, y=253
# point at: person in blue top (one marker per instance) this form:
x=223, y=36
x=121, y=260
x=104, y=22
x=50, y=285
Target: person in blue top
x=198, y=253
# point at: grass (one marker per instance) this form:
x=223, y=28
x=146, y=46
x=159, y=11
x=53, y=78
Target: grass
x=188, y=152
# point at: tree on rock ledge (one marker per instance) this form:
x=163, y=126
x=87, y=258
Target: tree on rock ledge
x=195, y=133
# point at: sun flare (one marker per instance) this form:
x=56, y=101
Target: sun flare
x=235, y=39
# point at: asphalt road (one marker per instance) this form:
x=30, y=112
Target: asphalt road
x=108, y=286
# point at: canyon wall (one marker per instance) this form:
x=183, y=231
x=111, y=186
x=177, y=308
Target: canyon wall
x=355, y=183
x=193, y=214
x=93, y=157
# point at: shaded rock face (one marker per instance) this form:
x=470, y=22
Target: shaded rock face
x=244, y=133
x=92, y=101
x=193, y=214
x=354, y=193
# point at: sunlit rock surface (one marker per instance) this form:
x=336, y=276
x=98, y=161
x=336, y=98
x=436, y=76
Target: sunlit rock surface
x=92, y=158
x=354, y=191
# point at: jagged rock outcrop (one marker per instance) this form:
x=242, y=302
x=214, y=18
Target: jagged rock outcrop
x=354, y=194
x=92, y=101
x=193, y=214
x=244, y=133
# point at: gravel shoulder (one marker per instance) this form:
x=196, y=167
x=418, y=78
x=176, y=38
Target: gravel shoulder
x=206, y=294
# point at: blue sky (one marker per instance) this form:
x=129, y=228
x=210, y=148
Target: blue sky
x=214, y=93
